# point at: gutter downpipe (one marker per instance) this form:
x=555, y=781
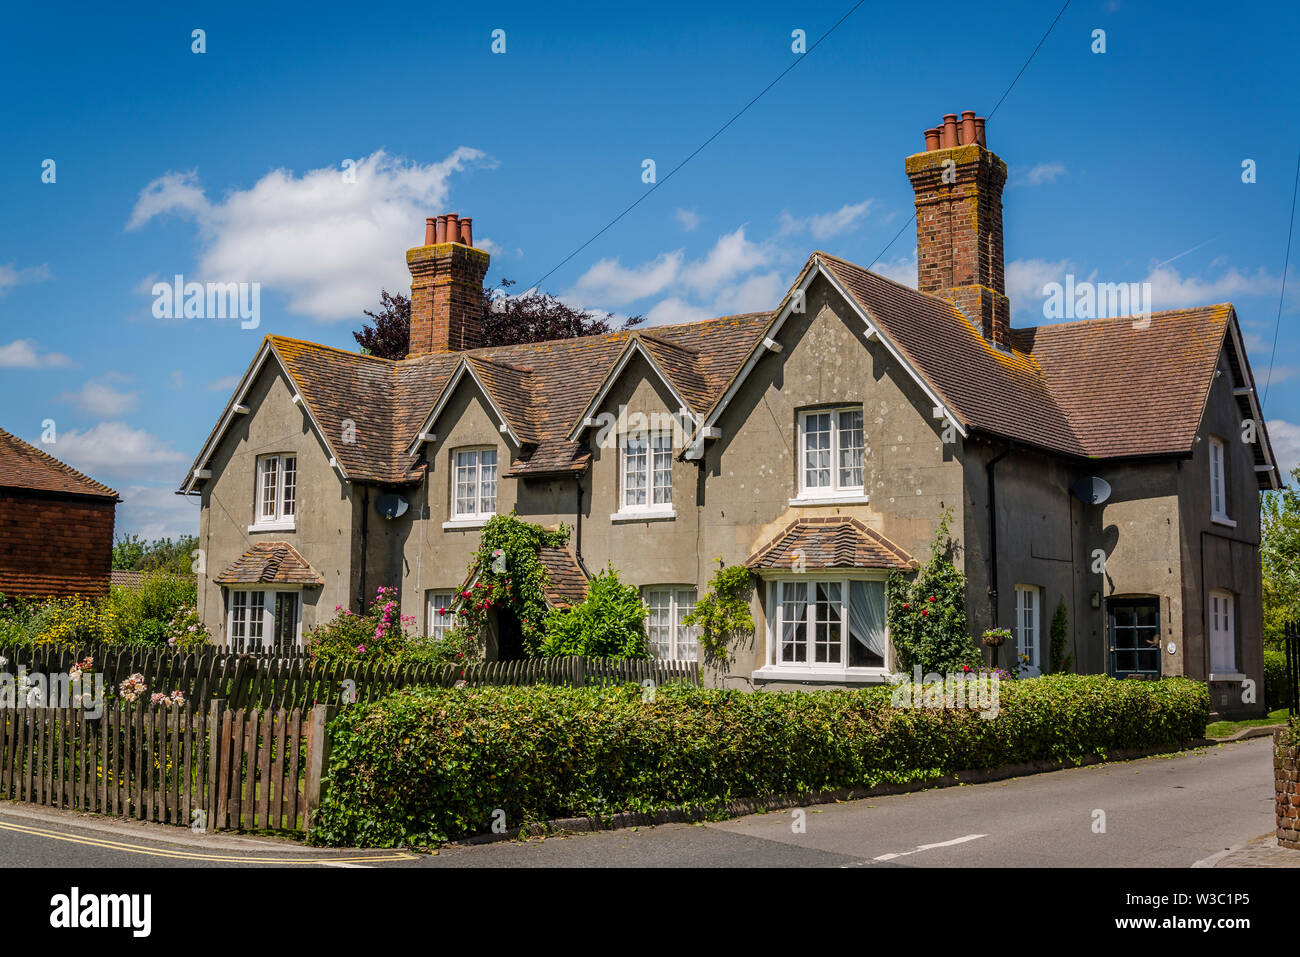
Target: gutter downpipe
x=365, y=528
x=993, y=544
x=577, y=530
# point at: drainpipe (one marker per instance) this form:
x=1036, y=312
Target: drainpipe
x=577, y=531
x=365, y=528
x=993, y=545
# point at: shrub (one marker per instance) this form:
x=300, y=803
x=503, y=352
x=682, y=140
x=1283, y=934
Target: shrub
x=1275, y=689
x=1059, y=655
x=927, y=612
x=609, y=623
x=424, y=766
x=381, y=635
x=723, y=612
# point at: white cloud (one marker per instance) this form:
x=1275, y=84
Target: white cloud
x=98, y=397
x=11, y=276
x=901, y=270
x=153, y=512
x=1039, y=174
x=1172, y=290
x=731, y=256
x=755, y=294
x=608, y=281
x=674, y=310
x=176, y=380
x=27, y=354
x=826, y=225
x=113, y=448
x=1025, y=279
x=226, y=383
x=1285, y=438
x=688, y=219
x=327, y=244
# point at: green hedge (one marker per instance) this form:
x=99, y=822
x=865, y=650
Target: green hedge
x=429, y=765
x=1275, y=691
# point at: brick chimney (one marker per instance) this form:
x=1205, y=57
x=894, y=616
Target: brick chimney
x=446, y=287
x=958, y=184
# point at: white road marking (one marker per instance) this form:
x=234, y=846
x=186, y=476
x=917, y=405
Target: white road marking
x=928, y=847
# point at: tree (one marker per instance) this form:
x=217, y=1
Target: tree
x=390, y=335
x=132, y=553
x=1060, y=655
x=507, y=321
x=609, y=623
x=1279, y=553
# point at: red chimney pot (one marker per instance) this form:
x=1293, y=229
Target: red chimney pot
x=979, y=131
x=467, y=231
x=949, y=130
x=967, y=127
x=441, y=235
x=932, y=139
x=428, y=231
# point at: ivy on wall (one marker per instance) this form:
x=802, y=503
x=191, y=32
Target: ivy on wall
x=507, y=572
x=722, y=614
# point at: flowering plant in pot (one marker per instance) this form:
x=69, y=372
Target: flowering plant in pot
x=996, y=637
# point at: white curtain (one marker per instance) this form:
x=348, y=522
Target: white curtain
x=867, y=615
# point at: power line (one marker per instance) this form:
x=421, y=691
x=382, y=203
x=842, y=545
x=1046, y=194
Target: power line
x=1290, y=227
x=1005, y=94
x=699, y=148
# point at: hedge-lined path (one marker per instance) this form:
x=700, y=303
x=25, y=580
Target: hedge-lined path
x=1159, y=812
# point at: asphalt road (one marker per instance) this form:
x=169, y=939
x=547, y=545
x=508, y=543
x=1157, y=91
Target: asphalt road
x=1158, y=812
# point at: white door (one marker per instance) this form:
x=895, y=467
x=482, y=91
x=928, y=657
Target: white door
x=1223, y=639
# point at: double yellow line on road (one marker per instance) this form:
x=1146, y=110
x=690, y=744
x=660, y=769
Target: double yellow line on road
x=111, y=845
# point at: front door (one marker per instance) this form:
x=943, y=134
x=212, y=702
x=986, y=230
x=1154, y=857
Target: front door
x=286, y=619
x=1133, y=625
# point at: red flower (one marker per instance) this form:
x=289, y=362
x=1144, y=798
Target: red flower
x=464, y=594
x=925, y=611
x=906, y=605
x=931, y=598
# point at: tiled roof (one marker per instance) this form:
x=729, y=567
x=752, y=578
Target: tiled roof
x=1106, y=388
x=1099, y=388
x=24, y=466
x=835, y=542
x=270, y=563
x=567, y=585
x=124, y=578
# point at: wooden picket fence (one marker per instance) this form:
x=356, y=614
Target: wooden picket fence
x=269, y=681
x=212, y=769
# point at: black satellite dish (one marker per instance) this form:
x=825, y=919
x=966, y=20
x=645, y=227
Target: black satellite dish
x=391, y=505
x=1091, y=490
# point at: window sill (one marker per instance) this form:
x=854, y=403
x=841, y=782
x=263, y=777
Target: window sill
x=464, y=524
x=844, y=676
x=649, y=515
x=805, y=500
x=1223, y=520
x=280, y=526
x=1228, y=676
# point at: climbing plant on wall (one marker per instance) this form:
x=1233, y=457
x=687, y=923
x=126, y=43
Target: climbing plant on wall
x=722, y=613
x=927, y=611
x=507, y=572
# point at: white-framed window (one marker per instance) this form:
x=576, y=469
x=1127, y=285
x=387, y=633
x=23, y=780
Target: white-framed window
x=1218, y=480
x=1027, y=623
x=827, y=625
x=831, y=450
x=270, y=618
x=474, y=492
x=1223, y=633
x=277, y=491
x=669, y=638
x=439, y=616
x=647, y=472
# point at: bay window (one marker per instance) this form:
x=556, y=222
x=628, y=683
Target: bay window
x=828, y=626
x=264, y=618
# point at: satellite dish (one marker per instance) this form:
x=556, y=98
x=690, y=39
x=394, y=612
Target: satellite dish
x=391, y=505
x=1091, y=490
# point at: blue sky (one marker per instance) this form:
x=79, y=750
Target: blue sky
x=226, y=166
